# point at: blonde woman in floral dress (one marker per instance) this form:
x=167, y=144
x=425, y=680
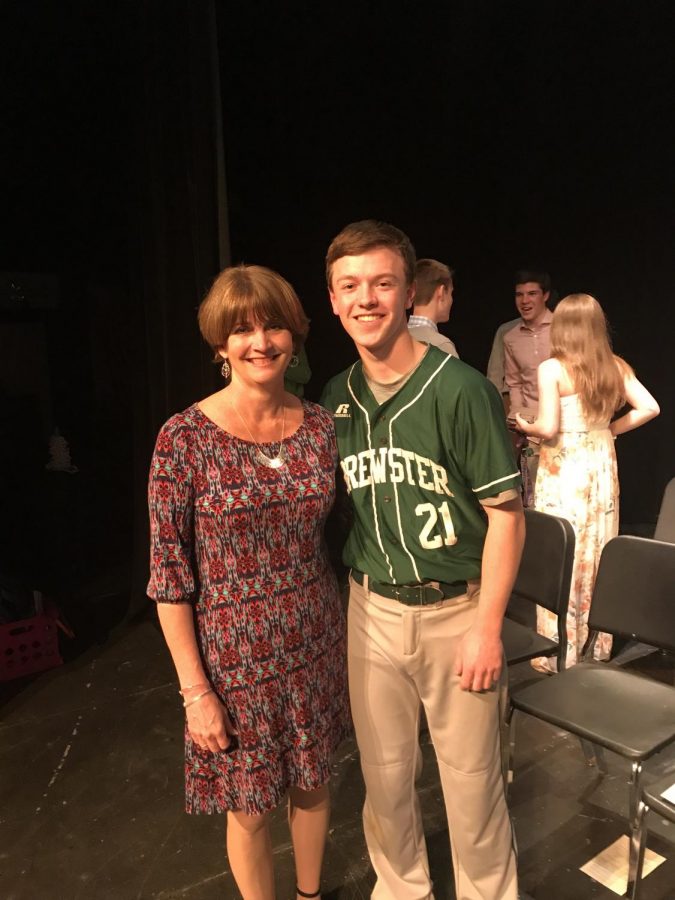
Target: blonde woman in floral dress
x=581, y=387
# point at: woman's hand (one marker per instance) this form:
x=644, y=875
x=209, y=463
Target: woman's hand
x=209, y=725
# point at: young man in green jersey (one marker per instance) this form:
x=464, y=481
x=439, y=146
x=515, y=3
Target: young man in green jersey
x=433, y=550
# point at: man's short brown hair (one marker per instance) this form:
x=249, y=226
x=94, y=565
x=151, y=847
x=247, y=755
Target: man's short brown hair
x=429, y=275
x=360, y=237
x=243, y=292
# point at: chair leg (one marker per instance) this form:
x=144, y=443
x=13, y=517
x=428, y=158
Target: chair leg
x=636, y=855
x=601, y=760
x=510, y=720
x=561, y=656
x=635, y=793
x=594, y=755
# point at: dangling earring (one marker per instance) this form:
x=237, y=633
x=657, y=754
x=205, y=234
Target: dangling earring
x=294, y=361
x=225, y=369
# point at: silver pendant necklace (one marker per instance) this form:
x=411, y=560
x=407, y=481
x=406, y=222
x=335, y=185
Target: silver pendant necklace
x=272, y=462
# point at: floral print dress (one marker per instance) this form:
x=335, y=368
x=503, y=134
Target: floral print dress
x=244, y=544
x=577, y=479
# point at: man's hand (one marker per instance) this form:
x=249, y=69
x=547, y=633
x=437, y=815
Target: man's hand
x=480, y=653
x=479, y=660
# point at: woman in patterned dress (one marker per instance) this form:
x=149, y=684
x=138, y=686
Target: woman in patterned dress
x=240, y=487
x=581, y=386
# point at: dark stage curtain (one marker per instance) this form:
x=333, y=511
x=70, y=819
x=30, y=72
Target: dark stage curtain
x=484, y=165
x=180, y=248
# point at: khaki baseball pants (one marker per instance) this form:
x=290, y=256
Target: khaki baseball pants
x=400, y=659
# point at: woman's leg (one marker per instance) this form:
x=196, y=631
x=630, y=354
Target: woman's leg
x=249, y=850
x=308, y=815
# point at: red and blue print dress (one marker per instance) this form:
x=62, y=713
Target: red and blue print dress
x=244, y=544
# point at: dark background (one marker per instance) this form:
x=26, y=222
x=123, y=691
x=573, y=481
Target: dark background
x=495, y=134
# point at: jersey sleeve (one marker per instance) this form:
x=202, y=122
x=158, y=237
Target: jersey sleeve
x=500, y=498
x=480, y=430
x=170, y=505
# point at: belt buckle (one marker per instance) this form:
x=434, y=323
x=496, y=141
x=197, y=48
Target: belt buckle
x=424, y=588
x=421, y=594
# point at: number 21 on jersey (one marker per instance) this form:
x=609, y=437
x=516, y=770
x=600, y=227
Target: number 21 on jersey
x=433, y=541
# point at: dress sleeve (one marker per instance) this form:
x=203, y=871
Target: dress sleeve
x=170, y=502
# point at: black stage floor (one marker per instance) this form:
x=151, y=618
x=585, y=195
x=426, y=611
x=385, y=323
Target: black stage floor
x=91, y=801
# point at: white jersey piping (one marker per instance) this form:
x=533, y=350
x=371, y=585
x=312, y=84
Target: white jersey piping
x=391, y=444
x=496, y=481
x=372, y=493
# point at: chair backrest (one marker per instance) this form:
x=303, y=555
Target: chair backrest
x=634, y=594
x=545, y=569
x=665, y=524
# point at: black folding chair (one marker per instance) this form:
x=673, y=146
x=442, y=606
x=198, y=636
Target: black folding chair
x=665, y=524
x=651, y=800
x=543, y=578
x=633, y=716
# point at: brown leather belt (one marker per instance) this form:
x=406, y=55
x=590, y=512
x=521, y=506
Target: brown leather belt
x=421, y=594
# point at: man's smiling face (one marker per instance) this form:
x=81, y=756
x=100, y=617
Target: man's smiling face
x=531, y=302
x=370, y=295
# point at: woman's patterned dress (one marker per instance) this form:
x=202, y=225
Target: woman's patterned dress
x=244, y=544
x=577, y=479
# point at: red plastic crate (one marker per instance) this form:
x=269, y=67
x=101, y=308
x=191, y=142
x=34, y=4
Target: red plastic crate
x=28, y=646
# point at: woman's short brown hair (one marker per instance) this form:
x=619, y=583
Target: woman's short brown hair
x=244, y=292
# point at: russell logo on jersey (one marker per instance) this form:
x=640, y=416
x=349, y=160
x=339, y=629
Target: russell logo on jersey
x=342, y=412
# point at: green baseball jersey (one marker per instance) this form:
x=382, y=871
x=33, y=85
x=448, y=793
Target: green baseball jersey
x=418, y=466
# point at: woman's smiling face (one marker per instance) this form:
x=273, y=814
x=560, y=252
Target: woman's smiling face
x=258, y=352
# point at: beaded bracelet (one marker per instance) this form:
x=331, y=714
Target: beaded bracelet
x=187, y=703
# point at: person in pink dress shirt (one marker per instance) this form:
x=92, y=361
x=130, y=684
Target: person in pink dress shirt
x=527, y=345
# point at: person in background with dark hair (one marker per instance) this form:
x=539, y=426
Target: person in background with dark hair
x=581, y=387
x=432, y=304
x=526, y=345
x=240, y=487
